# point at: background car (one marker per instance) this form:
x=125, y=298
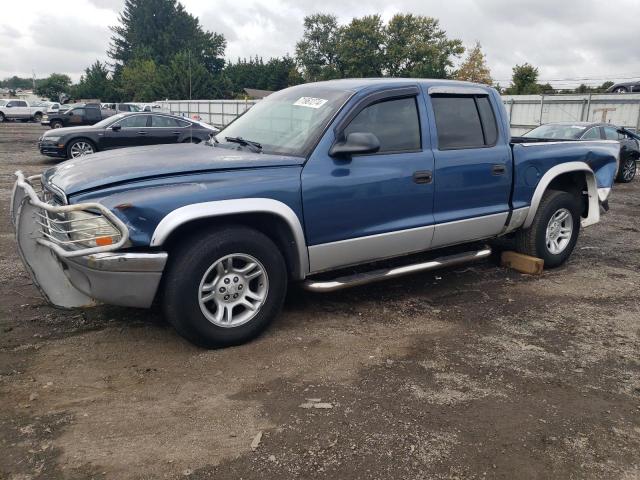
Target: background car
x=629, y=145
x=123, y=130
x=79, y=114
x=624, y=87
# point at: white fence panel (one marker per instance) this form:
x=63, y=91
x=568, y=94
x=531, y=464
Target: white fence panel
x=213, y=112
x=528, y=111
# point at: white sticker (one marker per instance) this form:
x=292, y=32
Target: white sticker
x=310, y=102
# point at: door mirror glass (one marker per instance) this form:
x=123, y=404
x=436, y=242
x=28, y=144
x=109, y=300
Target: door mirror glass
x=356, y=143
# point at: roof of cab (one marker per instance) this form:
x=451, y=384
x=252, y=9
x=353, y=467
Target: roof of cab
x=357, y=84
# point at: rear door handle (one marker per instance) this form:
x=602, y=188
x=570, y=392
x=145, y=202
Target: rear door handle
x=498, y=169
x=423, y=176
x=176, y=133
x=142, y=132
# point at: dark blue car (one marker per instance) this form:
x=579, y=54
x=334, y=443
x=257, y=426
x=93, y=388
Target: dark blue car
x=311, y=180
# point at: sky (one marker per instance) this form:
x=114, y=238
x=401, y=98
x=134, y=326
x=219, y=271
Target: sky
x=570, y=41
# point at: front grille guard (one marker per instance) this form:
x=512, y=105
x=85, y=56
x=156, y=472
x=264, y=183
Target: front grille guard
x=55, y=228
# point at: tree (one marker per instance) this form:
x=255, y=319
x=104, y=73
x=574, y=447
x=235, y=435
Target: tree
x=475, y=68
x=139, y=81
x=96, y=83
x=159, y=30
x=360, y=48
x=416, y=46
x=316, y=53
x=54, y=85
x=15, y=82
x=183, y=78
x=524, y=80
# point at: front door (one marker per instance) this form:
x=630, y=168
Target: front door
x=133, y=131
x=374, y=206
x=473, y=168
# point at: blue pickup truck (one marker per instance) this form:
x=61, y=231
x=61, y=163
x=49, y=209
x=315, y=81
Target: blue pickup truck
x=321, y=184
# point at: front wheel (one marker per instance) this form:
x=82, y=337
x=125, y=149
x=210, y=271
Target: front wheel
x=80, y=148
x=627, y=171
x=37, y=117
x=2, y=117
x=224, y=287
x=554, y=231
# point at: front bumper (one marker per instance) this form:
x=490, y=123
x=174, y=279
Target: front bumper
x=52, y=150
x=68, y=276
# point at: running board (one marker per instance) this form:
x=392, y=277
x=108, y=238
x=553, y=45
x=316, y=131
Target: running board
x=363, y=278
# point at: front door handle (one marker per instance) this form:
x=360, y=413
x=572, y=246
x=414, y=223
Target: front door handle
x=176, y=133
x=142, y=133
x=498, y=169
x=423, y=176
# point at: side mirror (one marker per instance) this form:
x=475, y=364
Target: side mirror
x=8, y=105
x=356, y=143
x=116, y=128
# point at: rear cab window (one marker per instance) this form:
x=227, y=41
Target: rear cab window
x=464, y=121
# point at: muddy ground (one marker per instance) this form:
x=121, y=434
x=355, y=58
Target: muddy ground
x=472, y=372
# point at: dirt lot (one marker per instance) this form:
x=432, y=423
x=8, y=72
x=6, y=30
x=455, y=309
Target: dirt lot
x=473, y=372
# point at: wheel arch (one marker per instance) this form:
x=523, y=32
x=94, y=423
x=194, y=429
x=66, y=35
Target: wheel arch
x=572, y=177
x=271, y=217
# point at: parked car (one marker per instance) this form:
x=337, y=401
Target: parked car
x=624, y=87
x=122, y=130
x=629, y=145
x=79, y=114
x=312, y=179
x=16, y=109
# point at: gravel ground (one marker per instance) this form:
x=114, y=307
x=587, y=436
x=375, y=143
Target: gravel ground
x=472, y=372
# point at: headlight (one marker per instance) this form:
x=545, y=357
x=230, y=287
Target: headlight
x=91, y=230
x=51, y=139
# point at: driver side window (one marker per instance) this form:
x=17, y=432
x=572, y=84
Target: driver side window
x=394, y=122
x=592, y=134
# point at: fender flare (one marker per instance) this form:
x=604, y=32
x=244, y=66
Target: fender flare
x=221, y=208
x=550, y=175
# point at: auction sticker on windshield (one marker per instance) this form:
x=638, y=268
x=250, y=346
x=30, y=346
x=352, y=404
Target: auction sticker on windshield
x=310, y=102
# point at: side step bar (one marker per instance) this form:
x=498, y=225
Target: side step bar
x=387, y=273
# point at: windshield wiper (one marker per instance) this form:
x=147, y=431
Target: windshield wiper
x=245, y=143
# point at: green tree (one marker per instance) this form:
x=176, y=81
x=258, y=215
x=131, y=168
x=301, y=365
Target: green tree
x=95, y=83
x=15, y=82
x=159, y=30
x=316, y=53
x=524, y=80
x=416, y=46
x=54, y=85
x=475, y=68
x=183, y=78
x=139, y=81
x=360, y=47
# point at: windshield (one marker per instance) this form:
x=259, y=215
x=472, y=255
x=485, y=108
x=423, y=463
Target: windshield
x=109, y=120
x=288, y=122
x=560, y=132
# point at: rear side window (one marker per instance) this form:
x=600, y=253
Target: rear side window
x=161, y=121
x=394, y=122
x=464, y=121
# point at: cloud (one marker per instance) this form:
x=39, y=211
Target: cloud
x=568, y=39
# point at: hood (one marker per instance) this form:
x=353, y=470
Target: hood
x=137, y=163
x=59, y=132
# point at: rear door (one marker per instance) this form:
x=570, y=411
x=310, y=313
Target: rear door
x=372, y=206
x=473, y=167
x=165, y=129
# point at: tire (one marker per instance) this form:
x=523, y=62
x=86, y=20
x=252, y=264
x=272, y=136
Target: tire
x=534, y=241
x=56, y=124
x=2, y=117
x=191, y=140
x=621, y=90
x=80, y=147
x=627, y=170
x=37, y=117
x=191, y=274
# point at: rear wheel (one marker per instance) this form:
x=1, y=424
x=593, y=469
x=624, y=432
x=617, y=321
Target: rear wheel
x=621, y=90
x=80, y=148
x=554, y=231
x=224, y=287
x=191, y=140
x=627, y=171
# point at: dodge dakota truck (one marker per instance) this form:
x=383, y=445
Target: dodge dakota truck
x=330, y=184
